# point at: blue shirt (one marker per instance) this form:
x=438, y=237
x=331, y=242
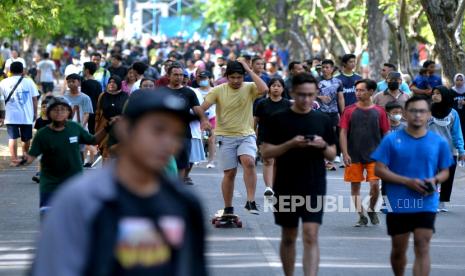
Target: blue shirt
x=412, y=157
x=348, y=87
x=263, y=76
x=427, y=82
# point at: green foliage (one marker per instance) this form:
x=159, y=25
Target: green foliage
x=22, y=17
x=46, y=18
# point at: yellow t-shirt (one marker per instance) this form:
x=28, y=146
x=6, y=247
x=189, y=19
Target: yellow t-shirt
x=234, y=108
x=57, y=53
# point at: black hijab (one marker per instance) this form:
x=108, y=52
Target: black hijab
x=442, y=109
x=117, y=80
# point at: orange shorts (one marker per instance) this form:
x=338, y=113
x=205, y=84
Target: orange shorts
x=354, y=172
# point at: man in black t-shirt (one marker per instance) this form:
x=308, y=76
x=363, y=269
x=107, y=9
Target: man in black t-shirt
x=300, y=154
x=117, y=68
x=176, y=76
x=93, y=89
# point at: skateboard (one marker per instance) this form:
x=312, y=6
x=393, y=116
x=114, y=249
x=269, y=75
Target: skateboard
x=226, y=221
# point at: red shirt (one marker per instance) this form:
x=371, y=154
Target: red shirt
x=365, y=128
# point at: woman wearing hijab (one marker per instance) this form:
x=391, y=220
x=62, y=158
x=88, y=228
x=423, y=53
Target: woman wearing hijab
x=110, y=104
x=445, y=121
x=459, y=98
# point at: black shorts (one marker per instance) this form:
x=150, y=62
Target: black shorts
x=47, y=87
x=91, y=124
x=290, y=219
x=182, y=160
x=401, y=223
x=16, y=131
x=334, y=119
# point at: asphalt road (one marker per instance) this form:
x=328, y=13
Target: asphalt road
x=253, y=249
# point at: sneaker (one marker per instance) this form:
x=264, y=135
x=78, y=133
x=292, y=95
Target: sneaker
x=211, y=165
x=36, y=177
x=442, y=207
x=87, y=165
x=337, y=159
x=269, y=191
x=228, y=211
x=363, y=221
x=383, y=208
x=251, y=207
x=373, y=218
x=188, y=181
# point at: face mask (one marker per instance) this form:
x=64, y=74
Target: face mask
x=396, y=117
x=442, y=122
x=204, y=83
x=393, y=85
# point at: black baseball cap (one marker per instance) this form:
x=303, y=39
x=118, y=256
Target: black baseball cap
x=143, y=101
x=394, y=75
x=204, y=74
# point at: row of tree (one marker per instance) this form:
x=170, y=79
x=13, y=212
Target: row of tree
x=43, y=19
x=388, y=28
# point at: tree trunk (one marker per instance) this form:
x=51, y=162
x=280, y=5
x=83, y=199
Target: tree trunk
x=445, y=17
x=299, y=48
x=404, y=47
x=378, y=38
x=280, y=11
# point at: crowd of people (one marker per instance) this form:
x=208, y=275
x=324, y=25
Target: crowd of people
x=152, y=114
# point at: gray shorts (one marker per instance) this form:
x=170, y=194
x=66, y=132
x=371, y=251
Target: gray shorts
x=230, y=148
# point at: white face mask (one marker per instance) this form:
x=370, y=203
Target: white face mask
x=442, y=122
x=396, y=117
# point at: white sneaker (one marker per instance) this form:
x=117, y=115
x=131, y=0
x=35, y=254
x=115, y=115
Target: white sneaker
x=269, y=191
x=337, y=159
x=210, y=165
x=442, y=207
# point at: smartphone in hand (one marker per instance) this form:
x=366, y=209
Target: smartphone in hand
x=309, y=137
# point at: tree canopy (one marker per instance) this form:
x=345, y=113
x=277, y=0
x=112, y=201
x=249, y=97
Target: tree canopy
x=46, y=18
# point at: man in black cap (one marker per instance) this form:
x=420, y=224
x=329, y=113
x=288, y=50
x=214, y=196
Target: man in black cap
x=135, y=221
x=393, y=92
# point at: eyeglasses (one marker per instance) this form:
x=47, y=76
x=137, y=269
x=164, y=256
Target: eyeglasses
x=305, y=95
x=414, y=111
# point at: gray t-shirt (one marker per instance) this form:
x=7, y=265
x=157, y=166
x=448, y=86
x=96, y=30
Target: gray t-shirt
x=83, y=103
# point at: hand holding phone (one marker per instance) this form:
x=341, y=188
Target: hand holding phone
x=310, y=137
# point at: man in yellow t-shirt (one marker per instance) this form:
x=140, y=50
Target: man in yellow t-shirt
x=57, y=54
x=234, y=131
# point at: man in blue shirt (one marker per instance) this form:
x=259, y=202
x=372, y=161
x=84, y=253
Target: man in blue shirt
x=348, y=78
x=423, y=85
x=258, y=66
x=411, y=174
